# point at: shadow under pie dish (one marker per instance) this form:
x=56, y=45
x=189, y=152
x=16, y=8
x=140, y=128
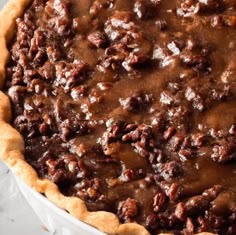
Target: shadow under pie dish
x=123, y=112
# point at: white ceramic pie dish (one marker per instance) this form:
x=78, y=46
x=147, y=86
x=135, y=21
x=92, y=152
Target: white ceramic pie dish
x=56, y=220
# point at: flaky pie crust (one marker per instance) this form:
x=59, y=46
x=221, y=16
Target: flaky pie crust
x=12, y=146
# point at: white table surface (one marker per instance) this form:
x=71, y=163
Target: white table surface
x=16, y=216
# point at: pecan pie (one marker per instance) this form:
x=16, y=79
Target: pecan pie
x=123, y=113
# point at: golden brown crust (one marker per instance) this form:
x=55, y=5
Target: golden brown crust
x=9, y=13
x=12, y=146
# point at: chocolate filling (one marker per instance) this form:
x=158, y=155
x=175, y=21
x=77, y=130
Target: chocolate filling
x=131, y=106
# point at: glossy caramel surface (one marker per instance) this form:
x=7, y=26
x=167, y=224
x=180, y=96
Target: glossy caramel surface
x=130, y=105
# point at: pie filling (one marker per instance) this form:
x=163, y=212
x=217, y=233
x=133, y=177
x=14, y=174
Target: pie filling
x=131, y=106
